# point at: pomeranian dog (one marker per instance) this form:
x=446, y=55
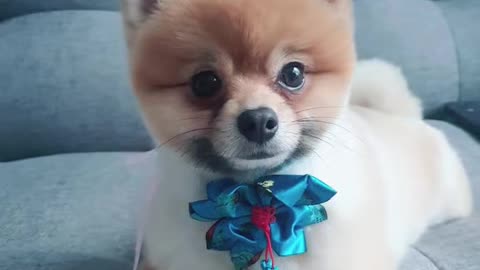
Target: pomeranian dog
x=245, y=88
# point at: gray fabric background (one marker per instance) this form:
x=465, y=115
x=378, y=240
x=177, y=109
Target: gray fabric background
x=68, y=212
x=464, y=20
x=414, y=35
x=13, y=8
x=468, y=150
x=65, y=87
x=453, y=246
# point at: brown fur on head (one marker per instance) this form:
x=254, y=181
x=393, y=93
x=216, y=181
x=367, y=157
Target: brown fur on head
x=246, y=43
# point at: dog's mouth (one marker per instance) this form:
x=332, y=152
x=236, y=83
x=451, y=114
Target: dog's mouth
x=203, y=154
x=258, y=156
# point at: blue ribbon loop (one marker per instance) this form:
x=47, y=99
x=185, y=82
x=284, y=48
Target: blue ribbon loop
x=295, y=198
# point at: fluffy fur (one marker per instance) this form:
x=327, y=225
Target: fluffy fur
x=395, y=174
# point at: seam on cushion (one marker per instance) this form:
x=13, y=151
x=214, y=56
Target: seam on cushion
x=424, y=254
x=457, y=51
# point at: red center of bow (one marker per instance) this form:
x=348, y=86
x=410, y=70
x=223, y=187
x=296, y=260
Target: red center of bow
x=262, y=217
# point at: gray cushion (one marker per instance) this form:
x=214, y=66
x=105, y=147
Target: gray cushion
x=469, y=151
x=65, y=86
x=12, y=8
x=415, y=260
x=67, y=212
x=453, y=246
x=414, y=35
x=463, y=18
x=465, y=115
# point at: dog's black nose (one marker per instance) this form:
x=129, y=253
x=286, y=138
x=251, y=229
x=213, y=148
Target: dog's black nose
x=259, y=125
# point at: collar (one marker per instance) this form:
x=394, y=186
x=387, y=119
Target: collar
x=266, y=216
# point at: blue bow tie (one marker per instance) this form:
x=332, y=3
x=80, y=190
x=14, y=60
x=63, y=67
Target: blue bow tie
x=268, y=215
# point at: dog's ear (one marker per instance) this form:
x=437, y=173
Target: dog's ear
x=342, y=3
x=137, y=10
x=134, y=14
x=345, y=7
x=339, y=1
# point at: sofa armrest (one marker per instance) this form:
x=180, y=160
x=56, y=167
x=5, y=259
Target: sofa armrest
x=452, y=246
x=465, y=115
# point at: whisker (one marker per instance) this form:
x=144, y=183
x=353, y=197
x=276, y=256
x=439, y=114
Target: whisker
x=318, y=155
x=323, y=122
x=315, y=120
x=316, y=117
x=324, y=133
x=194, y=118
x=330, y=138
x=314, y=137
x=324, y=130
x=319, y=107
x=181, y=134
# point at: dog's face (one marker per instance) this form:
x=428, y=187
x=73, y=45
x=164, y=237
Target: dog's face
x=243, y=84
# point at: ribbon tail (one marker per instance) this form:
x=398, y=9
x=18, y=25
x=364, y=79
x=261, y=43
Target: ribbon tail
x=268, y=265
x=242, y=257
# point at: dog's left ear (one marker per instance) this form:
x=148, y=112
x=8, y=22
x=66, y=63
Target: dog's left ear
x=344, y=3
x=134, y=14
x=343, y=6
x=339, y=1
x=138, y=10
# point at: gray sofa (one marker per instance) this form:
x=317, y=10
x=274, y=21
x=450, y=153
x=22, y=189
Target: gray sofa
x=69, y=127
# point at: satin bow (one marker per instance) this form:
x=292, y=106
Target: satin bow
x=295, y=200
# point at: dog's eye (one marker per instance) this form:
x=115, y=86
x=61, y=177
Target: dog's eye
x=292, y=76
x=206, y=84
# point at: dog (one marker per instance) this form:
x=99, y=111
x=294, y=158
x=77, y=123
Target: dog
x=246, y=88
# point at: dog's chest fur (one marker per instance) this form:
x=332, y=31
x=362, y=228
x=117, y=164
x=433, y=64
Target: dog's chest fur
x=356, y=213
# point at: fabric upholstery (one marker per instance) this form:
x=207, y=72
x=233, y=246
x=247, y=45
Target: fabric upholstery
x=453, y=246
x=465, y=115
x=12, y=8
x=414, y=35
x=469, y=151
x=78, y=212
x=68, y=212
x=415, y=260
x=463, y=19
x=65, y=86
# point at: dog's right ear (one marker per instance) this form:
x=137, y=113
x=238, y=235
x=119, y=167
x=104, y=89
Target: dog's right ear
x=134, y=14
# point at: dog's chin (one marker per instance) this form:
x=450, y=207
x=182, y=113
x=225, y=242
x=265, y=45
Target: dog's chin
x=202, y=152
x=267, y=163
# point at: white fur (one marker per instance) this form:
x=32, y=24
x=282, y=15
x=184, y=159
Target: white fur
x=370, y=80
x=395, y=175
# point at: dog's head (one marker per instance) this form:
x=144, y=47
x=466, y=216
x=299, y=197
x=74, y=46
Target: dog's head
x=240, y=85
